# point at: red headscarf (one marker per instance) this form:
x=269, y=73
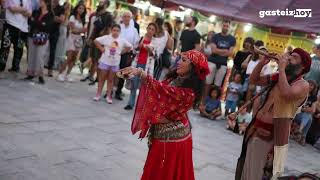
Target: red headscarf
x=199, y=61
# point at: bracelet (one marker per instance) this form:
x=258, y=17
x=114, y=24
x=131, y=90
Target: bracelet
x=141, y=72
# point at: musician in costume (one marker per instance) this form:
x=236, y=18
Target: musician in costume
x=161, y=112
x=265, y=144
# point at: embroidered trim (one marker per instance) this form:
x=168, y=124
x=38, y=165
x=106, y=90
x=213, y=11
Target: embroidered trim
x=172, y=130
x=177, y=140
x=169, y=132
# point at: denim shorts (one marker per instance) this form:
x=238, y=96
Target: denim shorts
x=106, y=67
x=231, y=105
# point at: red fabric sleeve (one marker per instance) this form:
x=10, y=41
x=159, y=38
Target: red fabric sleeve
x=158, y=100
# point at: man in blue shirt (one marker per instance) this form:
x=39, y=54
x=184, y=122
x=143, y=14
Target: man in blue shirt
x=35, y=4
x=222, y=45
x=314, y=73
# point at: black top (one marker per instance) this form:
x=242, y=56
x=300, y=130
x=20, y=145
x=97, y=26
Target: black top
x=57, y=11
x=311, y=99
x=103, y=21
x=222, y=42
x=137, y=26
x=239, y=58
x=189, y=39
x=40, y=24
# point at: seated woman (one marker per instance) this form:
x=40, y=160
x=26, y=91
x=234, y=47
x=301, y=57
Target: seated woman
x=314, y=132
x=304, y=118
x=241, y=123
x=212, y=107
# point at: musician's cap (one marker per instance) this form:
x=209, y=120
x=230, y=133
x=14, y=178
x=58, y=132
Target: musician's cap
x=305, y=59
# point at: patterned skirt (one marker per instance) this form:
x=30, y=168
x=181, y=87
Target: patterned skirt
x=170, y=153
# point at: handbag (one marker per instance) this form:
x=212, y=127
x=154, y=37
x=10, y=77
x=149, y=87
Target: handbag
x=165, y=58
x=40, y=38
x=128, y=84
x=78, y=43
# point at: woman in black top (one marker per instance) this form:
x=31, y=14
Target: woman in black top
x=38, y=40
x=243, y=54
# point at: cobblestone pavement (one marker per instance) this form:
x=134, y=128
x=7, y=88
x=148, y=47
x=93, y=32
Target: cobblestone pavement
x=55, y=131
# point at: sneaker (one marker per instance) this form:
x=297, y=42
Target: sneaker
x=41, y=80
x=128, y=107
x=109, y=100
x=69, y=79
x=13, y=70
x=85, y=79
x=105, y=95
x=91, y=78
x=97, y=98
x=61, y=78
x=93, y=82
x=229, y=128
x=28, y=78
x=117, y=96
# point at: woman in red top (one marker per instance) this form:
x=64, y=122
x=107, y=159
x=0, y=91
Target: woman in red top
x=141, y=62
x=162, y=112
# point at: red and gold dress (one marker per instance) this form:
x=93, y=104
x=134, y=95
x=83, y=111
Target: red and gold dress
x=161, y=112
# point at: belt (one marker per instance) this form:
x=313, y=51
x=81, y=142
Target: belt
x=75, y=33
x=263, y=125
x=260, y=129
x=172, y=130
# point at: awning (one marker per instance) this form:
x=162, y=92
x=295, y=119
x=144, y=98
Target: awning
x=249, y=11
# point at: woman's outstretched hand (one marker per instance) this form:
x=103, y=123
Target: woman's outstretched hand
x=129, y=72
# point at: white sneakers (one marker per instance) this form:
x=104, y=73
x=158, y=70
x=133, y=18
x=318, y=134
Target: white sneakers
x=109, y=100
x=69, y=79
x=97, y=98
x=62, y=78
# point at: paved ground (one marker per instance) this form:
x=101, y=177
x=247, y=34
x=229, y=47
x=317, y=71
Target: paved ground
x=57, y=132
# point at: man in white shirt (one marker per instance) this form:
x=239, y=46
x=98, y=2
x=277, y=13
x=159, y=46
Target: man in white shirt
x=129, y=33
x=14, y=32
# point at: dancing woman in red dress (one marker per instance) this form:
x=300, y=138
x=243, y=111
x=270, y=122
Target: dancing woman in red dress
x=161, y=112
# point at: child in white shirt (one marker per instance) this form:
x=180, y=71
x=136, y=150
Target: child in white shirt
x=240, y=124
x=111, y=47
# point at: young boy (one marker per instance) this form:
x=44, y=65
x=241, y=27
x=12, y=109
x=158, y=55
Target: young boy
x=233, y=92
x=212, y=107
x=240, y=124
